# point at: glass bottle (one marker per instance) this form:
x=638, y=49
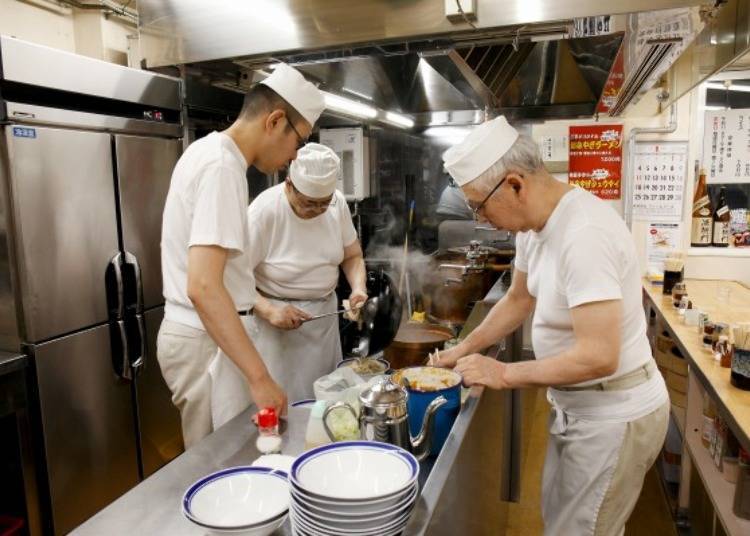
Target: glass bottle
x=702, y=222
x=721, y=219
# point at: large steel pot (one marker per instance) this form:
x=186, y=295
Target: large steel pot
x=413, y=343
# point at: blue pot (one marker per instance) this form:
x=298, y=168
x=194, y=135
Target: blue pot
x=444, y=417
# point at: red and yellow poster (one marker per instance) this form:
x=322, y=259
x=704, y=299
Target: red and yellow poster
x=595, y=159
x=613, y=85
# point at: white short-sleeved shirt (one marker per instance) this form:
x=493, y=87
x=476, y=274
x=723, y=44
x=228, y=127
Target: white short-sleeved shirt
x=206, y=206
x=293, y=257
x=585, y=254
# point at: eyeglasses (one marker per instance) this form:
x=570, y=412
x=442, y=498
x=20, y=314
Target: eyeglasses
x=300, y=140
x=476, y=208
x=308, y=204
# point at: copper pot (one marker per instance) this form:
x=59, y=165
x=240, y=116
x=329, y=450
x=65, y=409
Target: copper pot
x=414, y=342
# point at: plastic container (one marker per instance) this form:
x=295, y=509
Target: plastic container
x=316, y=435
x=268, y=440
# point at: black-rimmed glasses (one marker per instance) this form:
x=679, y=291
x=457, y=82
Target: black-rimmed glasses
x=477, y=208
x=300, y=140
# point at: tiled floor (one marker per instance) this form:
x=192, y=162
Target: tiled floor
x=651, y=515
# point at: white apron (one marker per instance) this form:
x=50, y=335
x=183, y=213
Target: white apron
x=587, y=429
x=294, y=358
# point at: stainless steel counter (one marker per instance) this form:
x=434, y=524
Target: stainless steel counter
x=153, y=507
x=463, y=486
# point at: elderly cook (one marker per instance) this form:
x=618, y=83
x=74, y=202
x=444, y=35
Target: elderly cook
x=577, y=270
x=205, y=246
x=300, y=232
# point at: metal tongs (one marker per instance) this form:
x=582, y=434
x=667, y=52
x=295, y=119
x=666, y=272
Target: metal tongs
x=336, y=312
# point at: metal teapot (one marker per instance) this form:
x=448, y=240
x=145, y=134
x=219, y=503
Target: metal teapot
x=384, y=417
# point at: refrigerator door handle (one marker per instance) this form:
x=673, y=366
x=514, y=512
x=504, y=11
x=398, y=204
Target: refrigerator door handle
x=125, y=371
x=141, y=360
x=116, y=264
x=132, y=259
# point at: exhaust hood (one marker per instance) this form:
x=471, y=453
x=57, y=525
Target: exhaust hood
x=551, y=61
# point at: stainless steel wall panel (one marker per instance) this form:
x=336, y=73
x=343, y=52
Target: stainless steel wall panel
x=87, y=419
x=144, y=170
x=185, y=31
x=64, y=225
x=37, y=65
x=161, y=432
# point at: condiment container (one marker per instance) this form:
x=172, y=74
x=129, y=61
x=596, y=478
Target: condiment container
x=708, y=331
x=268, y=440
x=678, y=291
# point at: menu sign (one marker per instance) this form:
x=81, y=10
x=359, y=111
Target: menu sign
x=595, y=159
x=726, y=146
x=659, y=171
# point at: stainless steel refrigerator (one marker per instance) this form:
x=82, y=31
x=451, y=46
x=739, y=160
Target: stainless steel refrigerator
x=86, y=153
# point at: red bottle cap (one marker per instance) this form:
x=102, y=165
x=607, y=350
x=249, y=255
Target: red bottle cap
x=267, y=418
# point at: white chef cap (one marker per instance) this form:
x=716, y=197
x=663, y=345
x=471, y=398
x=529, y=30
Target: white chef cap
x=293, y=88
x=484, y=146
x=315, y=170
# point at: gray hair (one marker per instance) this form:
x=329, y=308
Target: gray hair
x=522, y=156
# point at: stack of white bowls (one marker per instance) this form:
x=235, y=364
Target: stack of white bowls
x=360, y=488
x=248, y=501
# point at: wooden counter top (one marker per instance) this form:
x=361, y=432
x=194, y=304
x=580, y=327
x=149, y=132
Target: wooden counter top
x=733, y=403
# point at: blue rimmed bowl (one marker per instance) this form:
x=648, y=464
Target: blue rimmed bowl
x=354, y=471
x=252, y=501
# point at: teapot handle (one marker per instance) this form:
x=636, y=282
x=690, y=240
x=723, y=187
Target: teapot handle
x=329, y=409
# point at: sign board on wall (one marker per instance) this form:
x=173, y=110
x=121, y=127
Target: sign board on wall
x=661, y=240
x=613, y=84
x=659, y=172
x=726, y=145
x=595, y=159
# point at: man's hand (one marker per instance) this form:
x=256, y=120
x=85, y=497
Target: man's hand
x=449, y=358
x=267, y=394
x=476, y=369
x=287, y=317
x=357, y=298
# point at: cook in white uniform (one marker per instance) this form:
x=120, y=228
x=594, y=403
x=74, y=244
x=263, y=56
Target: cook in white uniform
x=577, y=271
x=205, y=256
x=300, y=232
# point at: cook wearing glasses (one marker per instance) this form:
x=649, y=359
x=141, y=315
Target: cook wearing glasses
x=301, y=232
x=577, y=273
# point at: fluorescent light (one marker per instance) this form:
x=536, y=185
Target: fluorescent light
x=731, y=87
x=450, y=135
x=357, y=93
x=348, y=106
x=714, y=108
x=399, y=120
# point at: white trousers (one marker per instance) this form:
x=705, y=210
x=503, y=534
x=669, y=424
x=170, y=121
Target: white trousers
x=184, y=354
x=594, y=471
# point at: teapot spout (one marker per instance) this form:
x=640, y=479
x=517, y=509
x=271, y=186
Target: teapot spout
x=420, y=445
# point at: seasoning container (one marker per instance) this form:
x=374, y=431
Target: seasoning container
x=269, y=440
x=742, y=489
x=702, y=319
x=724, y=351
x=678, y=291
x=708, y=332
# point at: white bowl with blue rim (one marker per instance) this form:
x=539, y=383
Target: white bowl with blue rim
x=382, y=521
x=358, y=471
x=355, y=511
x=300, y=522
x=239, y=500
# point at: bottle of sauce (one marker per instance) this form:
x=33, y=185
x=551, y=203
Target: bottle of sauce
x=702, y=222
x=721, y=220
